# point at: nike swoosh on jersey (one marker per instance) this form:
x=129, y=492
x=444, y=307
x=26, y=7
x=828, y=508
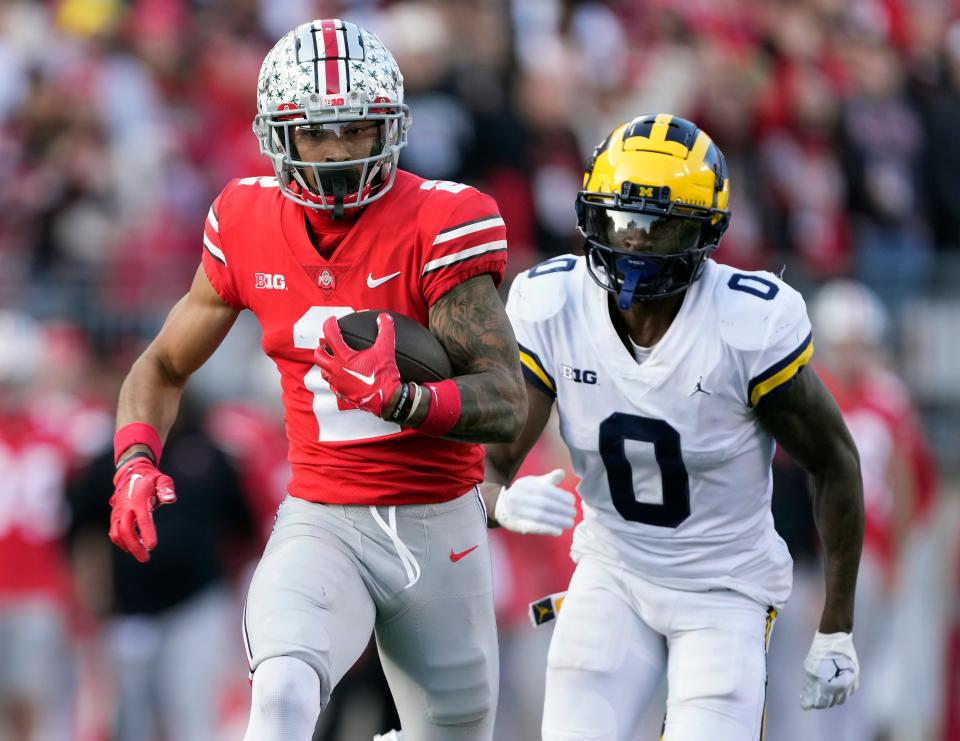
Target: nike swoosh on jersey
x=457, y=556
x=366, y=379
x=133, y=480
x=374, y=282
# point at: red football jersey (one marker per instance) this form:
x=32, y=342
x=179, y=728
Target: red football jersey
x=402, y=253
x=33, y=509
x=879, y=414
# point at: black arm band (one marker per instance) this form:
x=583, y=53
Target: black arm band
x=403, y=406
x=138, y=454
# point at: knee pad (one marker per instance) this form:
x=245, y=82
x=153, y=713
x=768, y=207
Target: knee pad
x=286, y=701
x=579, y=706
x=460, y=692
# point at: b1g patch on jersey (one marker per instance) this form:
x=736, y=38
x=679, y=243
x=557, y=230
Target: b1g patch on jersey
x=578, y=375
x=270, y=281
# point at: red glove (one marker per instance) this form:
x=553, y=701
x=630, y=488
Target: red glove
x=363, y=379
x=139, y=488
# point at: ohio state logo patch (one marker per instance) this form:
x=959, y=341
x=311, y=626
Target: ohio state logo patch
x=326, y=279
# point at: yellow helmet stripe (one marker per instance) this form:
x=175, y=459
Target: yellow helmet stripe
x=698, y=153
x=661, y=125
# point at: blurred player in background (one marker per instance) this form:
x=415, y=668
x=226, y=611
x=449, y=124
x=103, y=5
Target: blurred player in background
x=897, y=631
x=167, y=622
x=383, y=527
x=45, y=432
x=674, y=376
x=35, y=669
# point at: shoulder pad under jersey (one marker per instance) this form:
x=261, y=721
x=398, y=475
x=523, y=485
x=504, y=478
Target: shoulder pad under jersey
x=756, y=309
x=542, y=291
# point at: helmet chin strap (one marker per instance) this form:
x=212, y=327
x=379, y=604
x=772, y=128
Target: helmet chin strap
x=339, y=184
x=339, y=190
x=634, y=269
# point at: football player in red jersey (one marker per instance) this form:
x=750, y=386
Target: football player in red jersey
x=36, y=652
x=383, y=528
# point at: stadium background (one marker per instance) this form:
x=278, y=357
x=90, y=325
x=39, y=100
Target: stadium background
x=121, y=121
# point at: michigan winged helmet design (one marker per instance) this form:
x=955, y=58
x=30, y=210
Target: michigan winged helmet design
x=327, y=74
x=653, y=207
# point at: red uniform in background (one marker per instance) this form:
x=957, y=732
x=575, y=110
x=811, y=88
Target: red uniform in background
x=400, y=254
x=33, y=516
x=256, y=442
x=881, y=418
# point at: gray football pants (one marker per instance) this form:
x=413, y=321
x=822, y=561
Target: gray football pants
x=417, y=574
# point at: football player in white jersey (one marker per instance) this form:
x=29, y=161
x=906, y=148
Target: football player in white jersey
x=674, y=377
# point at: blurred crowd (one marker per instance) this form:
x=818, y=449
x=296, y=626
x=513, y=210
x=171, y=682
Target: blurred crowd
x=121, y=120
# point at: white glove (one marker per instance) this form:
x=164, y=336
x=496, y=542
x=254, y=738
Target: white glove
x=831, y=671
x=391, y=736
x=536, y=505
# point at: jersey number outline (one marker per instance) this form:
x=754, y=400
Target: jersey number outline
x=754, y=285
x=335, y=424
x=448, y=185
x=555, y=265
x=675, y=507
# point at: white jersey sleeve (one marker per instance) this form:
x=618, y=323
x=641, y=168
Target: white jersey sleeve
x=765, y=322
x=536, y=296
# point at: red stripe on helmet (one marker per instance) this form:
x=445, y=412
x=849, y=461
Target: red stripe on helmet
x=331, y=52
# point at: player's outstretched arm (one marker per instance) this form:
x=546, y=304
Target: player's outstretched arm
x=193, y=329
x=805, y=420
x=149, y=399
x=472, y=325
x=532, y=504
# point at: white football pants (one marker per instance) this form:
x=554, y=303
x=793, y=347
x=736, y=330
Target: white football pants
x=616, y=636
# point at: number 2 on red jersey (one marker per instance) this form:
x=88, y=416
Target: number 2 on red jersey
x=335, y=425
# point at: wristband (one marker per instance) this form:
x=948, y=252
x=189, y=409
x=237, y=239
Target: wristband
x=137, y=433
x=417, y=396
x=399, y=412
x=139, y=454
x=444, y=408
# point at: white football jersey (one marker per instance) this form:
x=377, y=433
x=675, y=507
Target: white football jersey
x=675, y=469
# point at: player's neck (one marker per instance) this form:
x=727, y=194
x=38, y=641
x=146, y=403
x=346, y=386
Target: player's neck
x=325, y=232
x=646, y=323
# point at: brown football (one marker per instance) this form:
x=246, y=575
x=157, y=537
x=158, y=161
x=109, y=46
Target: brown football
x=420, y=356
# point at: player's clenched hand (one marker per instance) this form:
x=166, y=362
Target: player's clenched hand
x=536, y=505
x=139, y=488
x=831, y=671
x=365, y=379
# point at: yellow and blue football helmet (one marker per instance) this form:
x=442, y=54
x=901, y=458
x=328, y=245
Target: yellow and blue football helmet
x=654, y=205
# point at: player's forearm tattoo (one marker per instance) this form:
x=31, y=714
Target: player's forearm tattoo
x=471, y=324
x=805, y=421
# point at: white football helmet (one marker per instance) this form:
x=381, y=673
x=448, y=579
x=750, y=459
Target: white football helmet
x=846, y=311
x=21, y=347
x=326, y=73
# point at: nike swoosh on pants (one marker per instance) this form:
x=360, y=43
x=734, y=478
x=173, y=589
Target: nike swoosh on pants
x=457, y=556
